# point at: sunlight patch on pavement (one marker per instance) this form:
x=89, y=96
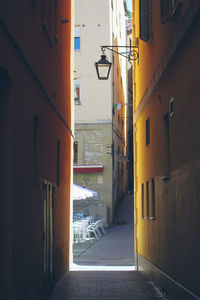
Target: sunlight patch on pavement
x=75, y=267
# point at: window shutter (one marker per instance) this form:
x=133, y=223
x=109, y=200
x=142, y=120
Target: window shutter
x=144, y=20
x=174, y=5
x=165, y=6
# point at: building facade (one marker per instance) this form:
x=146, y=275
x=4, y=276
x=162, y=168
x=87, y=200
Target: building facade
x=35, y=116
x=99, y=126
x=166, y=116
x=129, y=114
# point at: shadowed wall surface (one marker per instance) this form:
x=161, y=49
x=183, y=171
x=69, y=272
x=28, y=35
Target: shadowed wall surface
x=35, y=106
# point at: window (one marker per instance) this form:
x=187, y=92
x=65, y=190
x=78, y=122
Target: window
x=118, y=167
x=55, y=19
x=147, y=199
x=166, y=145
x=113, y=59
x=113, y=155
x=174, y=6
x=120, y=27
x=48, y=233
x=165, y=10
x=75, y=152
x=58, y=162
x=35, y=151
x=153, y=209
x=118, y=151
x=77, y=39
x=168, y=9
x=145, y=20
x=142, y=200
x=77, y=98
x=147, y=131
x=113, y=110
x=171, y=107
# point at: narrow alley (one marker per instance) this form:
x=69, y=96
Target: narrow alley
x=103, y=285
x=114, y=249
x=103, y=95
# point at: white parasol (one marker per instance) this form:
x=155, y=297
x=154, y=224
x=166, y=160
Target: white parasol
x=79, y=192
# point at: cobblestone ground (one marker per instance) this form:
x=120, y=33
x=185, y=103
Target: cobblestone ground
x=104, y=285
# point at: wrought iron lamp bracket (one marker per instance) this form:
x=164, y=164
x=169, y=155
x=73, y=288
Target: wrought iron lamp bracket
x=131, y=55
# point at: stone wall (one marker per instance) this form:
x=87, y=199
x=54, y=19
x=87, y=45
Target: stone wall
x=94, y=147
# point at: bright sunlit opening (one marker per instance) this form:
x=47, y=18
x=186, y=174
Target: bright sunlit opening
x=75, y=267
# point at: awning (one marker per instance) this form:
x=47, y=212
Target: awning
x=79, y=192
x=88, y=168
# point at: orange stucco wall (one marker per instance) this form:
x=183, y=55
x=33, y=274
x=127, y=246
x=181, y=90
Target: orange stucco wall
x=36, y=55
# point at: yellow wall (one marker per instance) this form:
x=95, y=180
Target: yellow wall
x=151, y=53
x=119, y=124
x=170, y=241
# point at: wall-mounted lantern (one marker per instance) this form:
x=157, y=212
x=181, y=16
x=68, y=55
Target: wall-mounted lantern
x=103, y=66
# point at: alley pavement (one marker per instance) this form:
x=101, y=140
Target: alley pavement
x=116, y=247
x=104, y=285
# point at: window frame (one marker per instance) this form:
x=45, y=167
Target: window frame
x=153, y=200
x=58, y=163
x=147, y=131
x=78, y=84
x=165, y=10
x=143, y=215
x=77, y=37
x=147, y=199
x=168, y=9
x=171, y=107
x=146, y=25
x=174, y=6
x=75, y=151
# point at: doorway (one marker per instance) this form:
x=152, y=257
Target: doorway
x=48, y=234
